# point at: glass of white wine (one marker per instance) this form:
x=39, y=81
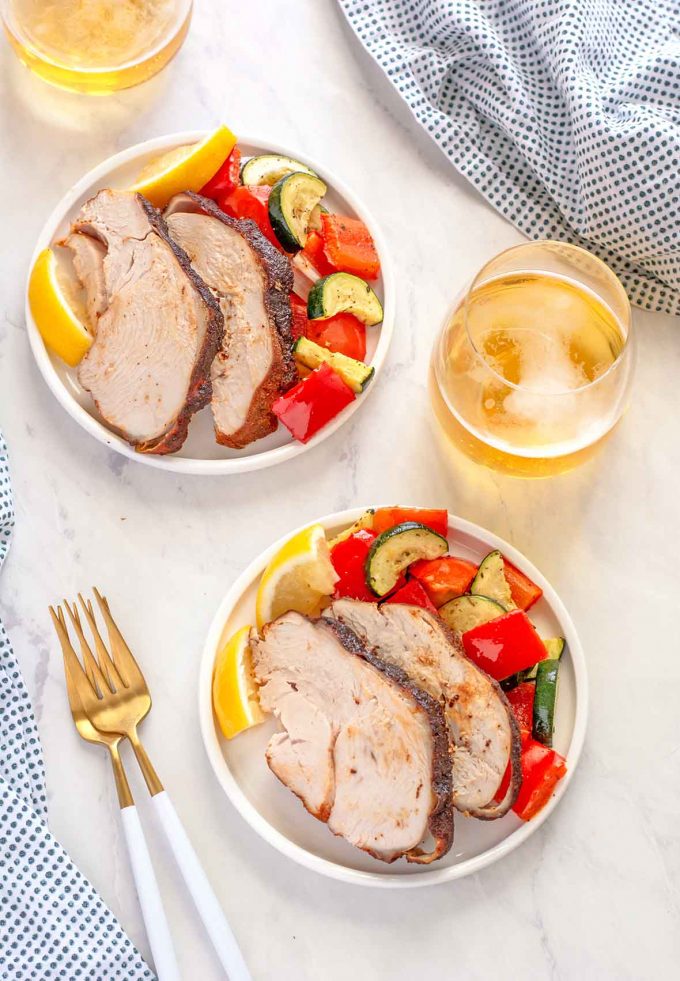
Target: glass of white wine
x=533, y=367
x=96, y=46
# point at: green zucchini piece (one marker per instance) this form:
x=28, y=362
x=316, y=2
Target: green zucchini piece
x=364, y=522
x=395, y=549
x=344, y=293
x=291, y=203
x=465, y=612
x=490, y=581
x=269, y=168
x=544, y=700
x=315, y=222
x=354, y=373
x=555, y=647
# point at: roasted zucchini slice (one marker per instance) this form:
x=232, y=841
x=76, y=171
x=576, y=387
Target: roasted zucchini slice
x=291, y=203
x=355, y=373
x=395, y=549
x=344, y=293
x=544, y=700
x=363, y=523
x=490, y=581
x=269, y=168
x=465, y=612
x=555, y=647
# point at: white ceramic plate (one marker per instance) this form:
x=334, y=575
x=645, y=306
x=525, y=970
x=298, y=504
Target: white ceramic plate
x=200, y=453
x=280, y=818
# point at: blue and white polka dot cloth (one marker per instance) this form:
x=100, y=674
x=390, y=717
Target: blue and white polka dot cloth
x=53, y=925
x=564, y=114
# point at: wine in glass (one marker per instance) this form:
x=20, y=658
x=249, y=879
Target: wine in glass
x=96, y=46
x=533, y=367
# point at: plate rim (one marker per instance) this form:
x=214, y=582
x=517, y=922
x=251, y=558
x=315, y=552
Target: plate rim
x=193, y=465
x=323, y=866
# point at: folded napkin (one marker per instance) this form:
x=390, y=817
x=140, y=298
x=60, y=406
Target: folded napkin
x=564, y=114
x=53, y=925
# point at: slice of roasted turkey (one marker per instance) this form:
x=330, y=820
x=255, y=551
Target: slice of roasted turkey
x=158, y=327
x=252, y=281
x=362, y=746
x=88, y=261
x=482, y=727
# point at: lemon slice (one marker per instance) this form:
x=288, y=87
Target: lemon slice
x=299, y=577
x=61, y=329
x=186, y=168
x=234, y=691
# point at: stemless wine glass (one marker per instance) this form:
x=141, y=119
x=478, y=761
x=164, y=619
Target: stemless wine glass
x=96, y=46
x=533, y=367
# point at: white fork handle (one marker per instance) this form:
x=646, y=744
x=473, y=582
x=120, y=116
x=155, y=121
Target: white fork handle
x=204, y=898
x=157, y=929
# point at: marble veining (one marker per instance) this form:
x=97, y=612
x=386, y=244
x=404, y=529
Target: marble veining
x=596, y=892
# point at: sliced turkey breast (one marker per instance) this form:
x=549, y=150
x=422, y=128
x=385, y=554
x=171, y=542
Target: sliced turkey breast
x=88, y=261
x=362, y=746
x=252, y=281
x=482, y=727
x=158, y=327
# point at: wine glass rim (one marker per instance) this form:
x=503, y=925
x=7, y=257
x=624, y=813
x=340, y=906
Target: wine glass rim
x=477, y=281
x=14, y=27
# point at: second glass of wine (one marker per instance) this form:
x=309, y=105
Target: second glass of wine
x=533, y=367
x=96, y=46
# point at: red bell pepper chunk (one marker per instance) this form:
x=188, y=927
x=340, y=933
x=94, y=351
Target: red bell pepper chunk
x=349, y=558
x=314, y=251
x=523, y=590
x=226, y=178
x=309, y=405
x=505, y=645
x=444, y=578
x=542, y=769
x=298, y=308
x=343, y=333
x=349, y=247
x=435, y=518
x=521, y=699
x=412, y=594
x=253, y=203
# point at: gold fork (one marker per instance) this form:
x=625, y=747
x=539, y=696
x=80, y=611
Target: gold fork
x=79, y=686
x=85, y=728
x=115, y=698
x=118, y=697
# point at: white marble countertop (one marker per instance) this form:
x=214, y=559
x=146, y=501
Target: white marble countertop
x=595, y=893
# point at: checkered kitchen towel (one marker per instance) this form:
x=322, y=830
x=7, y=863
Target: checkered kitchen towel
x=53, y=925
x=564, y=114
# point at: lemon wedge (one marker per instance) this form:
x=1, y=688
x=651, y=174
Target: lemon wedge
x=61, y=329
x=186, y=168
x=299, y=577
x=233, y=690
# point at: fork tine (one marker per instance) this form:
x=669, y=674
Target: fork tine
x=107, y=666
x=92, y=670
x=78, y=686
x=121, y=653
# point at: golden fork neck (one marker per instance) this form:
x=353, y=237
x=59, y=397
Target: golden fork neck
x=145, y=765
x=125, y=798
